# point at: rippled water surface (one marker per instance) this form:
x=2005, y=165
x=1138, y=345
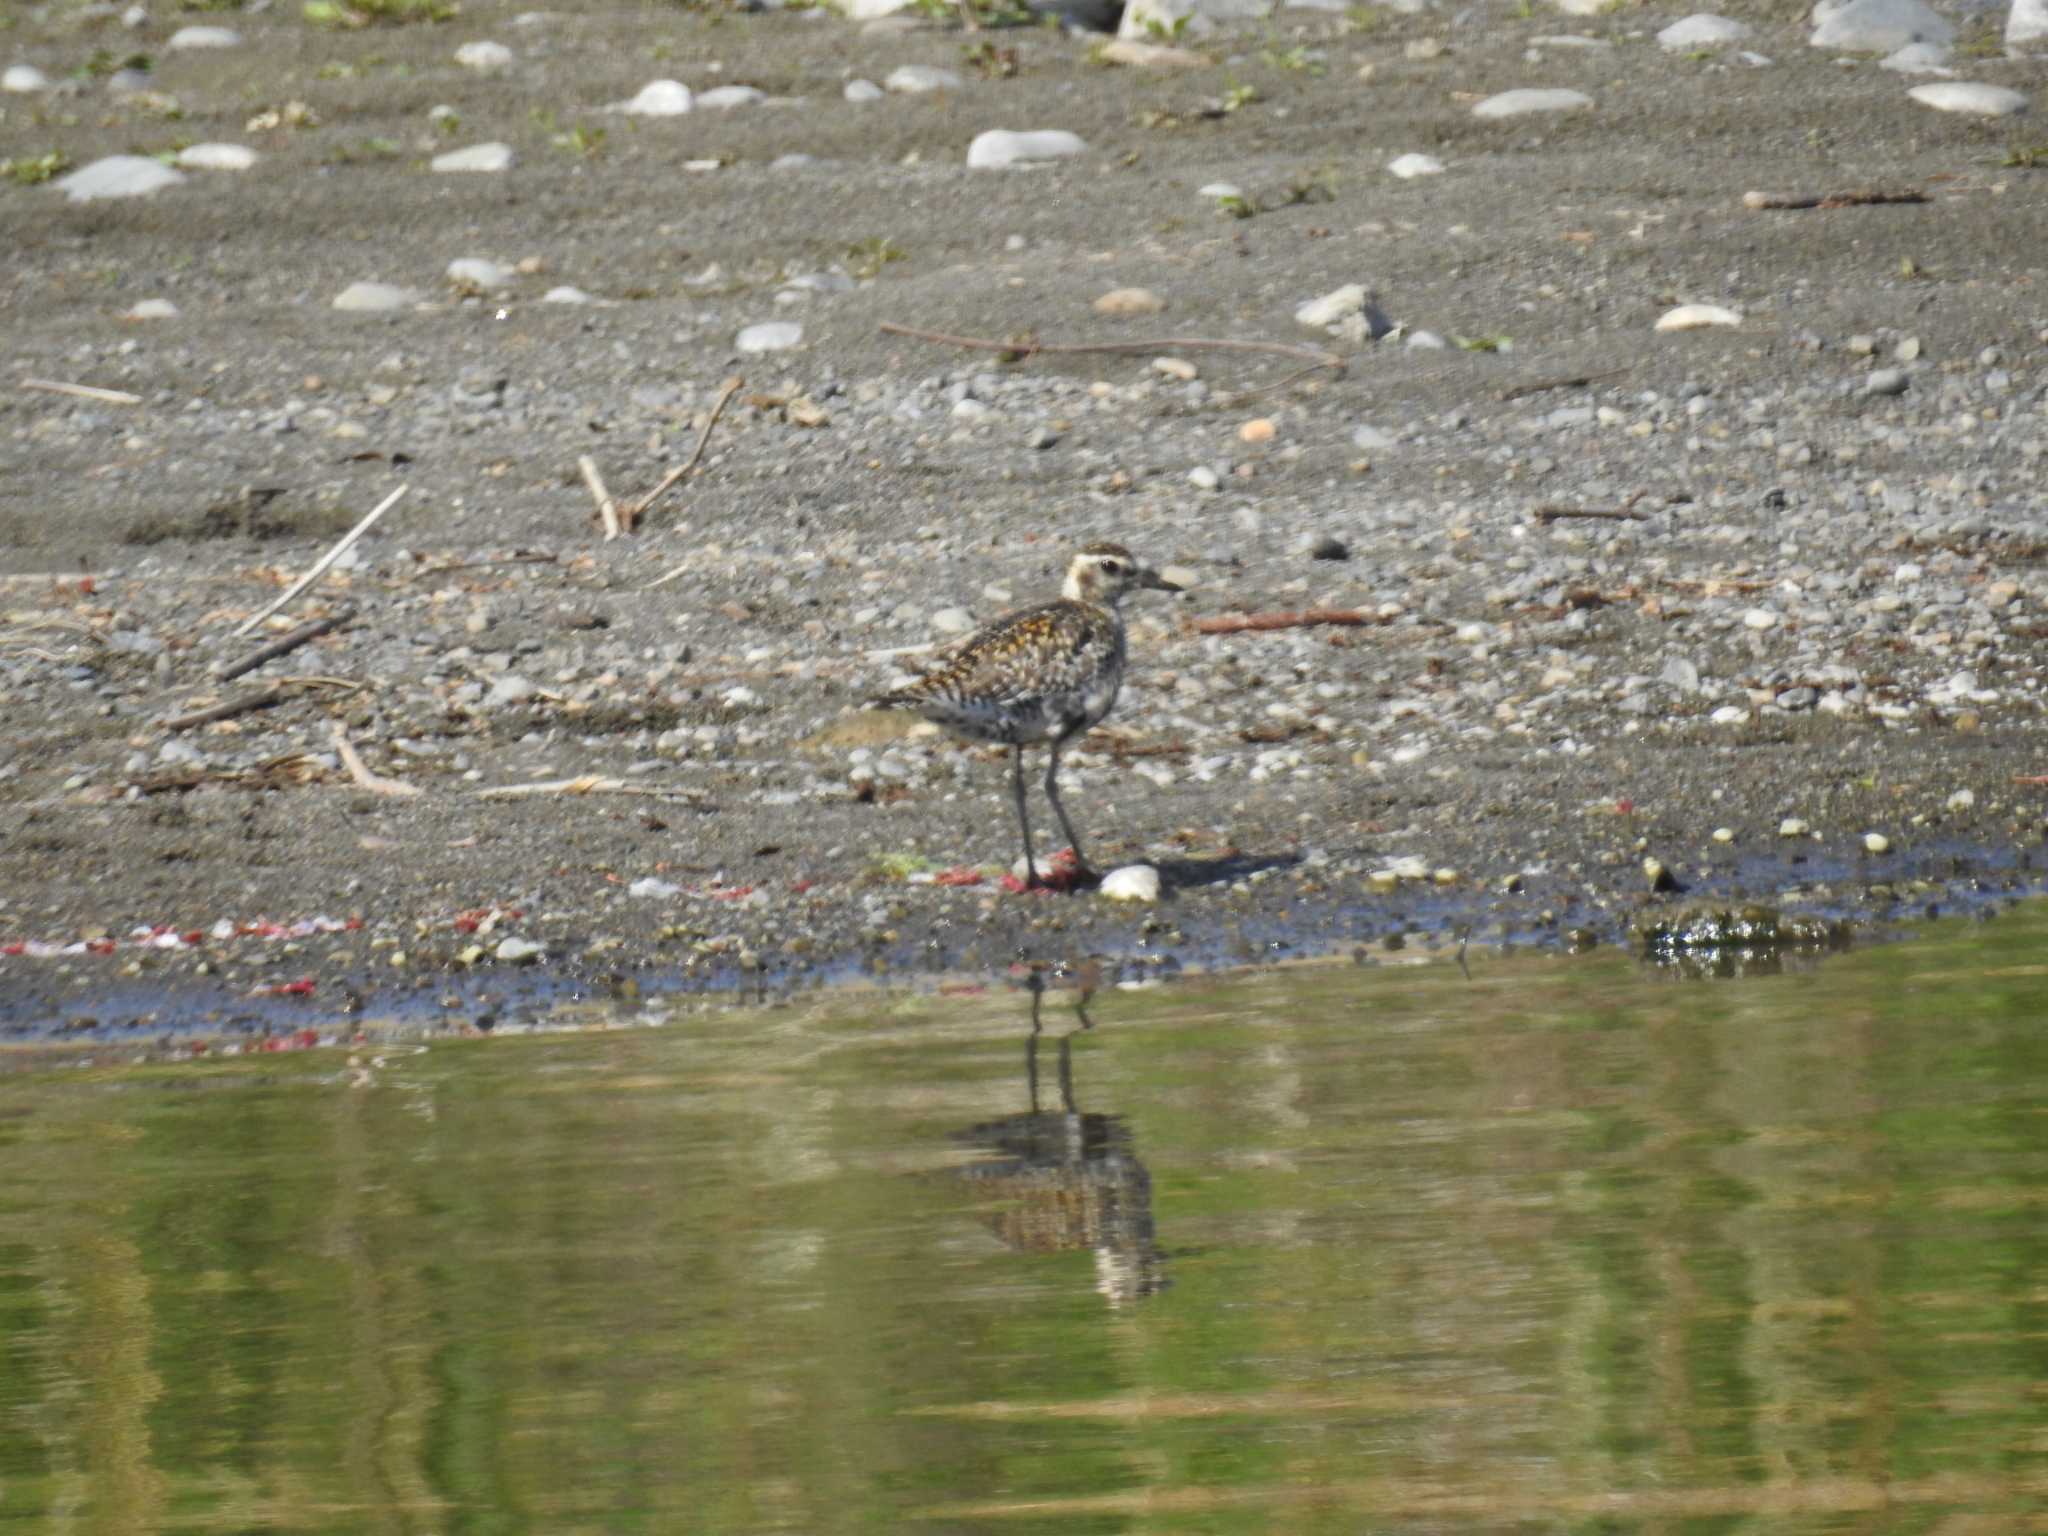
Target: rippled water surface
x=1558, y=1245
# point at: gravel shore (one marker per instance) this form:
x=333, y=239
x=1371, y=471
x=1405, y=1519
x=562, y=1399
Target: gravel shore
x=1760, y=601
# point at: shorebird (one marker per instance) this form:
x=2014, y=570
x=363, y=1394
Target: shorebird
x=1046, y=674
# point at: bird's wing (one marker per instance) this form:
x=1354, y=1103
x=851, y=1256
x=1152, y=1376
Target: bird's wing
x=1021, y=656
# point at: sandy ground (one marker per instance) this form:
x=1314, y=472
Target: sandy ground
x=1568, y=235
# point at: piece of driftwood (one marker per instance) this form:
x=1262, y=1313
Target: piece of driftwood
x=227, y=709
x=1589, y=514
x=284, y=645
x=1569, y=381
x=1315, y=357
x=1862, y=197
x=587, y=784
x=319, y=567
x=83, y=391
x=607, y=509
x=1305, y=618
x=638, y=509
x=359, y=771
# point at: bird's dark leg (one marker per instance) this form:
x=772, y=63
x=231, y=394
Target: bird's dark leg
x=1023, y=816
x=1052, y=793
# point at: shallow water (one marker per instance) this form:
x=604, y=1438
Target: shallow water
x=1559, y=1245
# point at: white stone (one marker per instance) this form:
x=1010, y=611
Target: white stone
x=118, y=176
x=23, y=80
x=1221, y=189
x=1524, y=102
x=1426, y=341
x=483, y=56
x=871, y=10
x=1693, y=317
x=953, y=621
x=374, y=298
x=1760, y=618
x=565, y=294
x=1408, y=167
x=203, y=37
x=793, y=161
x=2027, y=22
x=477, y=273
x=862, y=90
x=217, y=157
x=917, y=79
x=154, y=309
x=658, y=98
x=1000, y=147
x=1878, y=26
x=1703, y=30
x=1793, y=826
x=1921, y=59
x=1969, y=96
x=1962, y=800
x=720, y=97
x=647, y=888
x=1203, y=478
x=1876, y=842
x=1146, y=20
x=1584, y=7
x=770, y=336
x=515, y=951
x=1132, y=882
x=486, y=158
x=1332, y=306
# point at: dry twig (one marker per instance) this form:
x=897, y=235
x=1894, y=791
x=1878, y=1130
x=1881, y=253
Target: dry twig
x=1306, y=618
x=284, y=644
x=638, y=509
x=1589, y=514
x=319, y=567
x=359, y=771
x=1865, y=197
x=607, y=509
x=84, y=391
x=588, y=784
x=1572, y=381
x=226, y=710
x=1315, y=357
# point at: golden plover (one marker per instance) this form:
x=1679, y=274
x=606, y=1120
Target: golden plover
x=1041, y=674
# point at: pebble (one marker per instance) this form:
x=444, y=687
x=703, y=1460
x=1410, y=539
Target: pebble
x=1694, y=317
x=153, y=309
x=118, y=176
x=1921, y=59
x=1886, y=381
x=647, y=888
x=1129, y=301
x=565, y=294
x=1876, y=842
x=1723, y=834
x=23, y=80
x=917, y=79
x=1409, y=166
x=485, y=158
x=722, y=97
x=374, y=298
x=508, y=690
x=1793, y=826
x=188, y=38
x=1760, y=618
x=1259, y=429
x=1220, y=189
x=518, y=951
x=1332, y=306
x=1000, y=147
x=1877, y=26
x=1701, y=31
x=479, y=275
x=483, y=56
x=1203, y=478
x=1131, y=882
x=658, y=98
x=862, y=90
x=952, y=621
x=1177, y=368
x=769, y=336
x=1969, y=96
x=1527, y=101
x=216, y=157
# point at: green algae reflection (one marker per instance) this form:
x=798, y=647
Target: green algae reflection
x=1557, y=1246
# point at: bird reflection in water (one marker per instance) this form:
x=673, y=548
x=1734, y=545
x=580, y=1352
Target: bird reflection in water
x=1066, y=1179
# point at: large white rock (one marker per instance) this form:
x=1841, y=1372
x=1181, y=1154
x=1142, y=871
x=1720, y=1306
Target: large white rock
x=203, y=37
x=1332, y=306
x=23, y=80
x=2026, y=23
x=917, y=79
x=153, y=309
x=1408, y=167
x=486, y=158
x=1524, y=102
x=1704, y=30
x=479, y=274
x=1696, y=317
x=216, y=157
x=1969, y=96
x=1878, y=26
x=770, y=336
x=373, y=298
x=1132, y=882
x=1000, y=147
x=118, y=176
x=862, y=90
x=483, y=56
x=1152, y=20
x=658, y=98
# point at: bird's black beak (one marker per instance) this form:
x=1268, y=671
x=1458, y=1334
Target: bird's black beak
x=1158, y=583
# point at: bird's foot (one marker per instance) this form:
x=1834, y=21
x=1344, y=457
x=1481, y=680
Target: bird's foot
x=1062, y=872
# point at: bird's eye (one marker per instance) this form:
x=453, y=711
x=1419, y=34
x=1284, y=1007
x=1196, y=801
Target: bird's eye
x=1113, y=567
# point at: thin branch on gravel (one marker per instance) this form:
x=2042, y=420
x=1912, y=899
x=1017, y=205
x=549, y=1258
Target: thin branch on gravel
x=319, y=567
x=588, y=784
x=359, y=771
x=284, y=645
x=1592, y=514
x=638, y=509
x=1573, y=381
x=226, y=710
x=84, y=391
x=607, y=509
x=1315, y=357
x=1306, y=618
x=1864, y=197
